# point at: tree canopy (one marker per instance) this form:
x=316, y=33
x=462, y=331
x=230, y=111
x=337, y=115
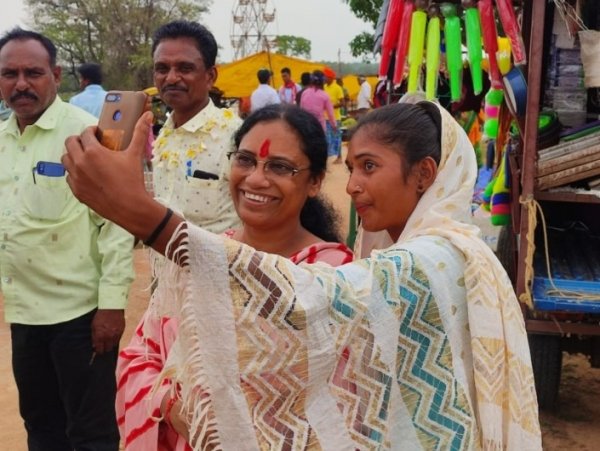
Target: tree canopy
x=293, y=46
x=367, y=10
x=114, y=33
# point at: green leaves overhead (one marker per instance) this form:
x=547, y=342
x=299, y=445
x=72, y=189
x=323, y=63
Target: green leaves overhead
x=367, y=10
x=114, y=33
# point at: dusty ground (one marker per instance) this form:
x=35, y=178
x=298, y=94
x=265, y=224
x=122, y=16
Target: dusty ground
x=575, y=425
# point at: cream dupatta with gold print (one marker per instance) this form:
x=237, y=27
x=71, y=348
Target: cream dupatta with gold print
x=420, y=346
x=504, y=387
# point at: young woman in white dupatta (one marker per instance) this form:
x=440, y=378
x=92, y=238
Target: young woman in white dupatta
x=437, y=354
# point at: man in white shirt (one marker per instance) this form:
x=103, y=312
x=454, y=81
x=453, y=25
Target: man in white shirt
x=289, y=90
x=265, y=94
x=363, y=100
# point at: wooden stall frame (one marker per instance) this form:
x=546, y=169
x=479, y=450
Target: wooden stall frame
x=533, y=33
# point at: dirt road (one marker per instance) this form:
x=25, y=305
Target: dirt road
x=575, y=425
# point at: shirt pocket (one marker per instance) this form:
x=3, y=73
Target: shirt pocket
x=202, y=199
x=47, y=199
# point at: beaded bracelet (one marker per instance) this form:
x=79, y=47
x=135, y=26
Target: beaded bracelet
x=159, y=228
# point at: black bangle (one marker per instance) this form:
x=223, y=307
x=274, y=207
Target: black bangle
x=159, y=228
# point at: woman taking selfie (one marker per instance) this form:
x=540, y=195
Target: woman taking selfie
x=437, y=354
x=277, y=168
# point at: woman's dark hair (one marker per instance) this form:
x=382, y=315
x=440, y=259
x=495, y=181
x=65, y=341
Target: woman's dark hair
x=317, y=79
x=205, y=41
x=318, y=215
x=305, y=79
x=414, y=130
x=18, y=34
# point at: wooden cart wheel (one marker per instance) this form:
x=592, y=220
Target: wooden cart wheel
x=505, y=251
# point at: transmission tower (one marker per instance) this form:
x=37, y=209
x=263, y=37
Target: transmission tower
x=251, y=26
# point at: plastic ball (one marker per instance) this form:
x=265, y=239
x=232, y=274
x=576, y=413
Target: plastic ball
x=492, y=111
x=494, y=97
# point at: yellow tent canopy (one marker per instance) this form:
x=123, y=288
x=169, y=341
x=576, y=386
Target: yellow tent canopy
x=238, y=78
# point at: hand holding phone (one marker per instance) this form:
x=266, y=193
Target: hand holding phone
x=120, y=112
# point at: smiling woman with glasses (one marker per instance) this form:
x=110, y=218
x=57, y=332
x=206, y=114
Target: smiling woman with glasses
x=277, y=167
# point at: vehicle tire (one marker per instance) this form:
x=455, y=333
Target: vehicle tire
x=546, y=358
x=505, y=251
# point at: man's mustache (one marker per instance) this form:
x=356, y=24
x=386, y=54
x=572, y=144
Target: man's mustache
x=173, y=88
x=23, y=95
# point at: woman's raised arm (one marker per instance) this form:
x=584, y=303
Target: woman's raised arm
x=112, y=184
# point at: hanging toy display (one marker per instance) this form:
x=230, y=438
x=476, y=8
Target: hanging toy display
x=511, y=28
x=402, y=45
x=432, y=52
x=500, y=199
x=490, y=40
x=390, y=35
x=493, y=101
x=417, y=43
x=473, y=32
x=453, y=50
x=504, y=56
x=486, y=196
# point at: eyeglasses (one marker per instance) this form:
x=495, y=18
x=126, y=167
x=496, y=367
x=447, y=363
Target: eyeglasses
x=248, y=162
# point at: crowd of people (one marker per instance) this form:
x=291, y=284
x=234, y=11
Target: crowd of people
x=328, y=106
x=263, y=331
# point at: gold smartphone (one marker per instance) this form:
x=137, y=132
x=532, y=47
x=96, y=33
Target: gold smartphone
x=120, y=112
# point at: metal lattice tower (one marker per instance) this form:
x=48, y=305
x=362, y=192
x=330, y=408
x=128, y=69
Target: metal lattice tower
x=251, y=27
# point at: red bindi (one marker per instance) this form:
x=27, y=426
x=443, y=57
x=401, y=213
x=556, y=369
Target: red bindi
x=264, y=148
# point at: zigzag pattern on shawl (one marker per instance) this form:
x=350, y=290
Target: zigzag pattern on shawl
x=363, y=387
x=438, y=404
x=274, y=387
x=277, y=395
x=492, y=359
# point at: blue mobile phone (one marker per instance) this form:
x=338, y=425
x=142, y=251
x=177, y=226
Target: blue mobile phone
x=50, y=169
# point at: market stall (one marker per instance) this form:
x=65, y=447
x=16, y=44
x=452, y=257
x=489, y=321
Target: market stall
x=542, y=143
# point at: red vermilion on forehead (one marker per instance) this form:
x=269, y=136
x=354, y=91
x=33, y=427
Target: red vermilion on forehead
x=264, y=148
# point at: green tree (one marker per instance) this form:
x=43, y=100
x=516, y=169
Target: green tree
x=367, y=10
x=293, y=46
x=115, y=33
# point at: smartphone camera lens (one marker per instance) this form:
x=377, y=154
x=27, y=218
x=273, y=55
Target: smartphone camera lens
x=111, y=97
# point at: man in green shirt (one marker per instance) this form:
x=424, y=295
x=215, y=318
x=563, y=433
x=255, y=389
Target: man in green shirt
x=65, y=272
